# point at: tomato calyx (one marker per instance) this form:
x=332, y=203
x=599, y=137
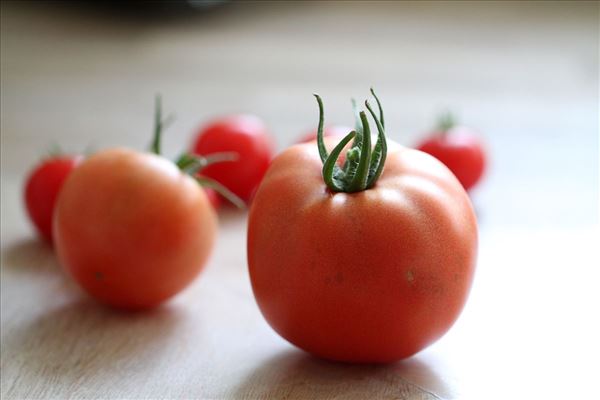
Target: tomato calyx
x=159, y=125
x=445, y=123
x=363, y=165
x=192, y=164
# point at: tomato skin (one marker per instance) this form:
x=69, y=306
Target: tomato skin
x=131, y=229
x=245, y=135
x=461, y=151
x=213, y=197
x=328, y=131
x=371, y=277
x=41, y=191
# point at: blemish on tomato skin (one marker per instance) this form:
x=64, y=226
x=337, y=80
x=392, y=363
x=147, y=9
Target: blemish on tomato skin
x=410, y=276
x=99, y=275
x=337, y=279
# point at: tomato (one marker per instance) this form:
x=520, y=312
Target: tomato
x=133, y=229
x=42, y=188
x=460, y=149
x=213, y=198
x=245, y=135
x=367, y=264
x=333, y=130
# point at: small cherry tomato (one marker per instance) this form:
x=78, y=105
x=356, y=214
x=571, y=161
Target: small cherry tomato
x=244, y=135
x=369, y=261
x=459, y=148
x=329, y=131
x=42, y=188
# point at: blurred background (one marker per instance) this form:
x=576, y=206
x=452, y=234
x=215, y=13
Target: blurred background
x=523, y=74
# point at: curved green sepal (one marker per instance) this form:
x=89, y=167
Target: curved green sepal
x=446, y=122
x=192, y=163
x=381, y=120
x=222, y=190
x=159, y=125
x=320, y=142
x=359, y=181
x=380, y=150
x=358, y=127
x=363, y=164
x=332, y=181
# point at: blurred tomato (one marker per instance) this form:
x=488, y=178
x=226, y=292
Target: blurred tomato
x=459, y=148
x=244, y=135
x=213, y=197
x=42, y=188
x=132, y=229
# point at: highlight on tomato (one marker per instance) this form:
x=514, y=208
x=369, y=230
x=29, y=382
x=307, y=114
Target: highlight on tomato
x=245, y=135
x=133, y=228
x=459, y=148
x=368, y=259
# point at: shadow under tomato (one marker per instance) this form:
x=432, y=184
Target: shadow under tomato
x=31, y=256
x=298, y=375
x=72, y=343
x=228, y=214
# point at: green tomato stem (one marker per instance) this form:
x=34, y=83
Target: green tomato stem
x=155, y=146
x=159, y=125
x=363, y=165
x=320, y=143
x=445, y=123
x=329, y=165
x=359, y=181
x=381, y=119
x=380, y=151
x=357, y=121
x=222, y=190
x=191, y=164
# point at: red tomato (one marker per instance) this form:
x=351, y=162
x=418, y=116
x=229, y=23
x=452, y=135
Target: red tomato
x=245, y=135
x=42, y=188
x=213, y=197
x=361, y=274
x=333, y=130
x=132, y=229
x=460, y=149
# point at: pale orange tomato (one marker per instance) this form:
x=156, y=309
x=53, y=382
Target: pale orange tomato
x=132, y=229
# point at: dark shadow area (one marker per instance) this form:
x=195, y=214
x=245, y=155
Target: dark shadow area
x=77, y=341
x=131, y=11
x=231, y=215
x=297, y=375
x=30, y=256
x=146, y=15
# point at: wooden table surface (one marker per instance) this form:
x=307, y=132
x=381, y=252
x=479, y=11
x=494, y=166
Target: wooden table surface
x=525, y=74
